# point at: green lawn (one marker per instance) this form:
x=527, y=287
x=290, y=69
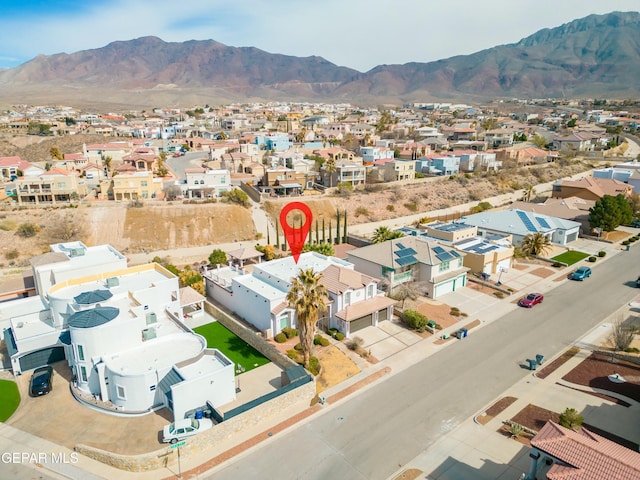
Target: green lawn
x=9, y=399
x=239, y=352
x=570, y=257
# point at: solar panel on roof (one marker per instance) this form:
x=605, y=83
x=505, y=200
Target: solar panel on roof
x=444, y=257
x=402, y=247
x=543, y=222
x=405, y=251
x=527, y=222
x=454, y=253
x=438, y=250
x=404, y=261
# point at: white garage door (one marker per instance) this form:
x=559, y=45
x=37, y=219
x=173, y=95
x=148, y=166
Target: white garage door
x=445, y=287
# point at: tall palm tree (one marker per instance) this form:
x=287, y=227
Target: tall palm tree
x=308, y=297
x=535, y=244
x=330, y=167
x=381, y=234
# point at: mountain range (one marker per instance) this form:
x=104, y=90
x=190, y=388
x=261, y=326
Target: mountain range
x=596, y=56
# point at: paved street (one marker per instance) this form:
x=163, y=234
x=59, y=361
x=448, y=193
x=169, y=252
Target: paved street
x=382, y=429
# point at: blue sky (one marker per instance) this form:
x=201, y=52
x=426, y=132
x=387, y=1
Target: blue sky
x=355, y=33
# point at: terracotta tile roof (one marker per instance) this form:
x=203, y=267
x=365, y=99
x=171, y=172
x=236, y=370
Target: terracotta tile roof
x=600, y=186
x=338, y=279
x=360, y=309
x=586, y=456
x=9, y=161
x=279, y=308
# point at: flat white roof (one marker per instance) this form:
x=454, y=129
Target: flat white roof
x=155, y=354
x=212, y=361
x=138, y=279
x=286, y=268
x=260, y=287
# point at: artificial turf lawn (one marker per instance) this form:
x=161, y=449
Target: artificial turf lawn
x=237, y=350
x=9, y=399
x=570, y=257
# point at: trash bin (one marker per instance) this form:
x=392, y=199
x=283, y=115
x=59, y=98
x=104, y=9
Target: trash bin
x=532, y=364
x=461, y=333
x=628, y=247
x=198, y=414
x=539, y=359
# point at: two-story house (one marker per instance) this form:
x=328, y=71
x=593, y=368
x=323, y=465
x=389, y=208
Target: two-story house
x=260, y=296
x=130, y=186
x=399, y=170
x=54, y=186
x=205, y=183
x=437, y=267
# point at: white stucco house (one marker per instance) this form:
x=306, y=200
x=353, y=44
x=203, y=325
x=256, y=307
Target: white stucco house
x=259, y=297
x=119, y=329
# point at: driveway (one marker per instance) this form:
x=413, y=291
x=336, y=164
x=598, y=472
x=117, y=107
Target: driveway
x=59, y=418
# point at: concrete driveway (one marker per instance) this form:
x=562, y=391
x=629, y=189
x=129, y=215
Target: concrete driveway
x=388, y=338
x=59, y=418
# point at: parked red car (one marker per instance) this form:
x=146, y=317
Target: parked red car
x=530, y=300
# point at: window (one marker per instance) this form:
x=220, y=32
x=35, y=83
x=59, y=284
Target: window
x=370, y=291
x=144, y=183
x=62, y=185
x=80, y=353
x=444, y=266
x=120, y=392
x=347, y=298
x=83, y=374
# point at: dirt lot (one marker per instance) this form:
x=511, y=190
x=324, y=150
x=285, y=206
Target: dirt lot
x=380, y=202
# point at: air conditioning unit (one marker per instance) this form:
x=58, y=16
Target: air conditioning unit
x=151, y=318
x=113, y=282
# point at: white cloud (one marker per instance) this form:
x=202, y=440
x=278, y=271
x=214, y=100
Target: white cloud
x=354, y=33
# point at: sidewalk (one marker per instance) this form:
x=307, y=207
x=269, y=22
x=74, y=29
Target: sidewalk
x=478, y=451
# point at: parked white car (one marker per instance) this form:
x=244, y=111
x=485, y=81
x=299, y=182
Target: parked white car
x=181, y=429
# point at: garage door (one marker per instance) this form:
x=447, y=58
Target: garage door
x=571, y=238
x=46, y=356
x=445, y=287
x=383, y=314
x=361, y=323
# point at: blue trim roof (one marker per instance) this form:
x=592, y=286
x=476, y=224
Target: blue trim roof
x=95, y=296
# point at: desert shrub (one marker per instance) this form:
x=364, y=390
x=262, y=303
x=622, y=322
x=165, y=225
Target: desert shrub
x=415, y=320
x=411, y=206
x=556, y=264
x=602, y=253
x=626, y=242
x=136, y=203
x=571, y=418
x=298, y=347
x=632, y=350
x=455, y=311
x=354, y=343
x=391, y=207
x=12, y=254
x=320, y=340
x=314, y=365
x=290, y=332
x=27, y=230
x=591, y=259
x=293, y=355
x=499, y=294
x=339, y=336
x=280, y=338
x=361, y=211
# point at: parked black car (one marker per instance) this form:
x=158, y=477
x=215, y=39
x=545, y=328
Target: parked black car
x=638, y=282
x=41, y=381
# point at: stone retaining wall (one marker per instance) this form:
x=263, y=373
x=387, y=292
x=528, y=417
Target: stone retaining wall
x=214, y=438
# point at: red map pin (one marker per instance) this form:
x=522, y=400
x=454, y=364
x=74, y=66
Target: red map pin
x=296, y=237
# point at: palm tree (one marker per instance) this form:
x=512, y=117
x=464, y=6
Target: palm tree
x=535, y=244
x=528, y=193
x=382, y=234
x=330, y=167
x=308, y=297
